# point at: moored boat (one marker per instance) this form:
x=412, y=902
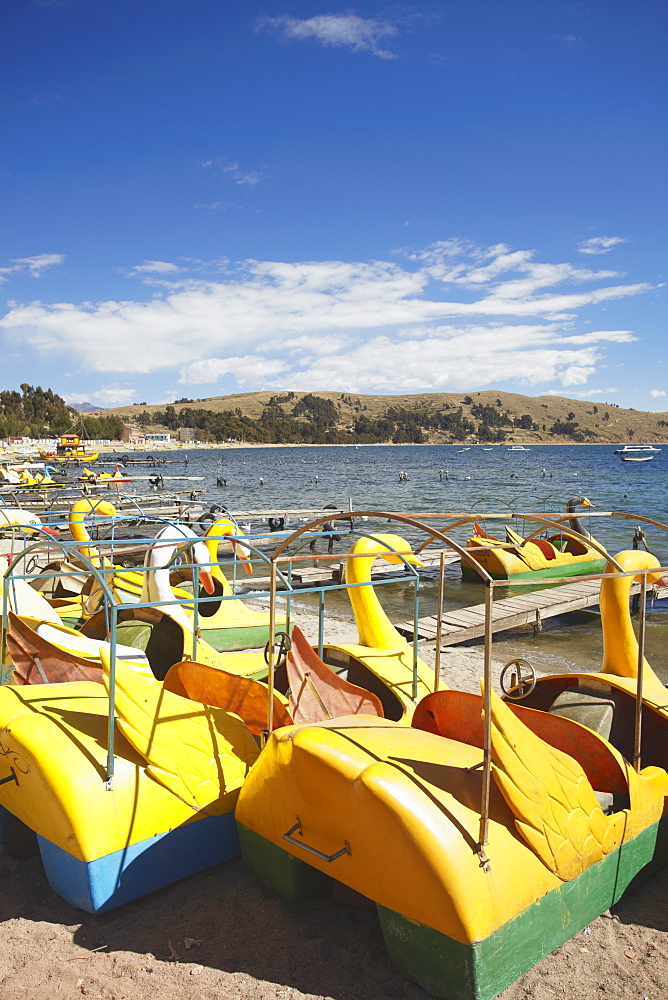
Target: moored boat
x=70, y=448
x=518, y=558
x=484, y=844
x=637, y=449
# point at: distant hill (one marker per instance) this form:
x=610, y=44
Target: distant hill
x=340, y=417
x=86, y=408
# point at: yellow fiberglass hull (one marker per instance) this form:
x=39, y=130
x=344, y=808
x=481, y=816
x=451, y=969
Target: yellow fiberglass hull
x=539, y=559
x=394, y=813
x=103, y=846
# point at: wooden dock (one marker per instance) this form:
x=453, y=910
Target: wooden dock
x=530, y=608
x=332, y=572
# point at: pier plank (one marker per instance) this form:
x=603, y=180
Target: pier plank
x=463, y=624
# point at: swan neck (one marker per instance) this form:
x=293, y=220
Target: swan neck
x=373, y=626
x=79, y=533
x=620, y=645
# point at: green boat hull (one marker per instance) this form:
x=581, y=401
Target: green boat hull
x=581, y=569
x=240, y=637
x=481, y=969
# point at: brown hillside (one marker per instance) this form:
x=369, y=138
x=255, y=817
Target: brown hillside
x=605, y=422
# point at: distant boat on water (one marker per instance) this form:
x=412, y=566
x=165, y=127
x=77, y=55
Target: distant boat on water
x=637, y=458
x=518, y=447
x=638, y=449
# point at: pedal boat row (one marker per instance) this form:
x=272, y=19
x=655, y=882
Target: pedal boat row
x=487, y=831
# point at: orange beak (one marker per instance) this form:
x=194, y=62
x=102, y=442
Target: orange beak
x=242, y=554
x=206, y=581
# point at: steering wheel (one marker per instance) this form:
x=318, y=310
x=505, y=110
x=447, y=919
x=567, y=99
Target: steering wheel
x=283, y=645
x=522, y=679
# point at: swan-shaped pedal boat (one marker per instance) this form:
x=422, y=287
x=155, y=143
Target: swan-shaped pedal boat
x=570, y=822
x=168, y=810
x=179, y=763
x=382, y=661
x=225, y=621
x=518, y=559
x=92, y=476
x=380, y=665
x=168, y=632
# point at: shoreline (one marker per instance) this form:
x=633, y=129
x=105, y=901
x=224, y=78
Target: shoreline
x=233, y=445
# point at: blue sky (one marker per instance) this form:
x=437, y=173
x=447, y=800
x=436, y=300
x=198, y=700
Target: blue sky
x=213, y=196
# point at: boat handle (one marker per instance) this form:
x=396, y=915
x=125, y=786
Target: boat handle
x=313, y=850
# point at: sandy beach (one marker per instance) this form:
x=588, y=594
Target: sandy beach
x=222, y=935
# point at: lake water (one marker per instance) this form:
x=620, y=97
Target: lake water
x=474, y=480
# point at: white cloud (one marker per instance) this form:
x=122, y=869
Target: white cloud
x=249, y=369
x=448, y=358
x=155, y=267
x=46, y=100
x=346, y=31
x=232, y=171
x=455, y=315
x=600, y=244
x=582, y=393
x=113, y=395
x=218, y=206
x=34, y=266
x=655, y=393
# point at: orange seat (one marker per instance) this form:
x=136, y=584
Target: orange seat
x=317, y=693
x=38, y=661
x=211, y=686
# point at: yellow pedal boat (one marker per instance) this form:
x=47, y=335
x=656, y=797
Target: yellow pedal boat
x=517, y=558
x=168, y=810
x=473, y=889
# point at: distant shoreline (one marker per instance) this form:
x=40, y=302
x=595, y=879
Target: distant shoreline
x=122, y=447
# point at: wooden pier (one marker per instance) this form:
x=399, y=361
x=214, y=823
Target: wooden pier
x=530, y=608
x=330, y=573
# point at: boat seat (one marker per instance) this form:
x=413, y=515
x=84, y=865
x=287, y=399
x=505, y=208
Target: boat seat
x=317, y=693
x=134, y=633
x=594, y=710
x=587, y=706
x=209, y=685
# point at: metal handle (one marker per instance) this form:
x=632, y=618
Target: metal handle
x=313, y=850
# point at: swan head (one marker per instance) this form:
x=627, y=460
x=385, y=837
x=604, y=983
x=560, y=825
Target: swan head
x=87, y=505
x=387, y=547
x=639, y=560
x=159, y=556
x=579, y=502
x=225, y=528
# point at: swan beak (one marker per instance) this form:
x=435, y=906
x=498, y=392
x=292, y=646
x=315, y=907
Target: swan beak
x=587, y=503
x=206, y=581
x=413, y=560
x=244, y=557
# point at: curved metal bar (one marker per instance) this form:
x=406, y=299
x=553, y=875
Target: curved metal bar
x=383, y=515
x=100, y=577
x=546, y=522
